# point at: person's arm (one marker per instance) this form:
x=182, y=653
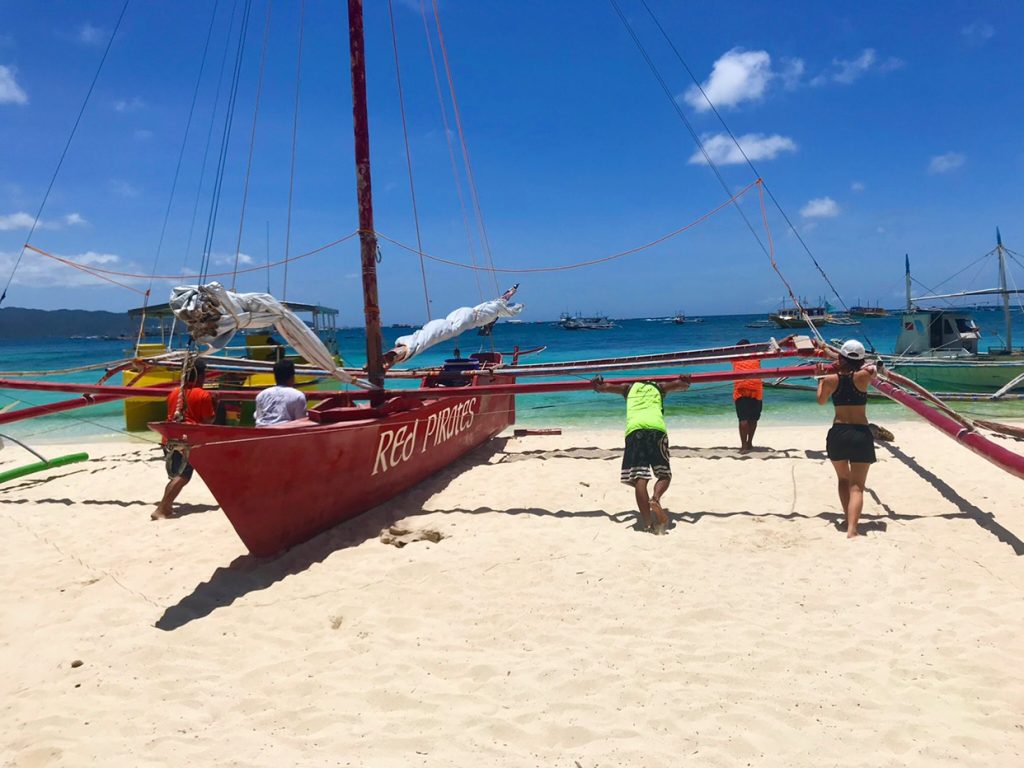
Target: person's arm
x=865, y=376
x=827, y=383
x=680, y=384
x=600, y=385
x=824, y=348
x=210, y=412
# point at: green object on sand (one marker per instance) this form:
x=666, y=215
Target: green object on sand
x=39, y=466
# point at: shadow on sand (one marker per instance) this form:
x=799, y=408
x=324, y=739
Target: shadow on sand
x=248, y=574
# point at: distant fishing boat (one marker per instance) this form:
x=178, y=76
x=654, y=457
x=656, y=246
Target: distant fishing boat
x=939, y=348
x=680, y=318
x=865, y=311
x=791, y=317
x=579, y=323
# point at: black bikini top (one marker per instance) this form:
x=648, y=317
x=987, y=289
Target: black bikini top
x=847, y=393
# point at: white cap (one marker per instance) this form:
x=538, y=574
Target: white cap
x=852, y=350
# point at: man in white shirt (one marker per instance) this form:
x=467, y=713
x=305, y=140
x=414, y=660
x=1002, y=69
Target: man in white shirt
x=281, y=403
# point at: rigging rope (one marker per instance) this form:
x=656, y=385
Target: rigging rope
x=408, y=159
x=581, y=264
x=209, y=135
x=101, y=271
x=252, y=143
x=177, y=171
x=451, y=149
x=229, y=118
x=64, y=152
x=750, y=164
x=465, y=150
x=295, y=134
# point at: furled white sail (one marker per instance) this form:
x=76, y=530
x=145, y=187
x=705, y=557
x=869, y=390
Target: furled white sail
x=213, y=315
x=457, y=322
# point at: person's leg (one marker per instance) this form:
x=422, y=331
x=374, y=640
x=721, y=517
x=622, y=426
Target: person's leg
x=744, y=435
x=643, y=502
x=660, y=486
x=164, y=508
x=751, y=429
x=855, y=504
x=842, y=469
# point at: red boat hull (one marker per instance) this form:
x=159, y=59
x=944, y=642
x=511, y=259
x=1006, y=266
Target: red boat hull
x=282, y=485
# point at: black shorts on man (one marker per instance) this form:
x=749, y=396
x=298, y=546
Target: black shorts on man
x=748, y=408
x=176, y=464
x=850, y=442
x=646, y=450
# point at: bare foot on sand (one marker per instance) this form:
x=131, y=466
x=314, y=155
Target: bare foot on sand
x=661, y=519
x=161, y=514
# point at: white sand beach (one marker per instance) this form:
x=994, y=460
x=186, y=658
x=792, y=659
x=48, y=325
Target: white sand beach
x=542, y=630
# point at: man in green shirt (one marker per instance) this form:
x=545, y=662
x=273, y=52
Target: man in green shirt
x=646, y=443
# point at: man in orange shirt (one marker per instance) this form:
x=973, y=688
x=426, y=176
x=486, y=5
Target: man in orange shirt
x=199, y=409
x=747, y=395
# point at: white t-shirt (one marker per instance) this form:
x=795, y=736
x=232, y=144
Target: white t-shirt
x=279, y=405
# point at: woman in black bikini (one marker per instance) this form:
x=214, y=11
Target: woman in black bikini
x=850, y=445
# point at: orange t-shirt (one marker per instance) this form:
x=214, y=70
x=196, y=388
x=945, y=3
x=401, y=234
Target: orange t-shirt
x=747, y=387
x=199, y=407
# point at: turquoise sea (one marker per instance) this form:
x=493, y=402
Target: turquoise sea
x=705, y=404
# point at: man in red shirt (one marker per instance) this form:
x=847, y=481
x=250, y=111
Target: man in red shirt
x=747, y=395
x=199, y=409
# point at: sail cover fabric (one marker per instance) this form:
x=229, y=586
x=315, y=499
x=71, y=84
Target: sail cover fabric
x=457, y=322
x=213, y=316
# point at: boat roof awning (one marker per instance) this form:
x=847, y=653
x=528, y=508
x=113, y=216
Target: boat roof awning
x=164, y=310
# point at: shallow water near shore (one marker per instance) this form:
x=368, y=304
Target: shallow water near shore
x=706, y=404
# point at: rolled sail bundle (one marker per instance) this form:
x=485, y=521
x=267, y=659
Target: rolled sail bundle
x=457, y=322
x=213, y=316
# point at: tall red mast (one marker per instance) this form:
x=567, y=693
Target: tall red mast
x=367, y=234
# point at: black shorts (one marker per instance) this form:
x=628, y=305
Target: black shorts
x=748, y=408
x=850, y=442
x=646, y=449
x=176, y=464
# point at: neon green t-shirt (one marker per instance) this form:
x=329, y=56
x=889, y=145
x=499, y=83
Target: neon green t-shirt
x=645, y=408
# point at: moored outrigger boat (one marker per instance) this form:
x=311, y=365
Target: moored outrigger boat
x=281, y=485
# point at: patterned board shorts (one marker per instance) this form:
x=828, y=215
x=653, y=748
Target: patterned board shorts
x=646, y=449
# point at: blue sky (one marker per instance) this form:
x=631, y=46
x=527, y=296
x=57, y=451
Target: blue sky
x=882, y=129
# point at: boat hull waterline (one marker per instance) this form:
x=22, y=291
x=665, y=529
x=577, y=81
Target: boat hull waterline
x=280, y=486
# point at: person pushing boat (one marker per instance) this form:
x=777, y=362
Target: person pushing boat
x=747, y=396
x=850, y=444
x=646, y=444
x=191, y=404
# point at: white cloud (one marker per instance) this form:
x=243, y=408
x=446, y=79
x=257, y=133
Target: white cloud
x=820, y=208
x=228, y=259
x=757, y=146
x=21, y=220
x=39, y=271
x=858, y=186
x=129, y=105
x=10, y=91
x=14, y=221
x=947, y=162
x=791, y=72
x=978, y=33
x=736, y=77
x=90, y=35
x=848, y=71
x=123, y=188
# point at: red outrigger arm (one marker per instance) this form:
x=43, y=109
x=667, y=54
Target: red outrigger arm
x=106, y=392
x=1004, y=459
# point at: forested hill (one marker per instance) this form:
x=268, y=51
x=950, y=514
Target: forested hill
x=38, y=323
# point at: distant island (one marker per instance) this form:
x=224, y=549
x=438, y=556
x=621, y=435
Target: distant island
x=19, y=323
